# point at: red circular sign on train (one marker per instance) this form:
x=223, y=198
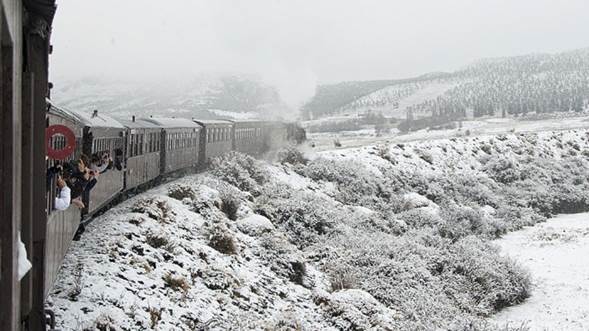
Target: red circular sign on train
x=70, y=142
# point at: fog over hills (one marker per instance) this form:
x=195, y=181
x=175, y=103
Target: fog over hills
x=539, y=83
x=499, y=86
x=206, y=96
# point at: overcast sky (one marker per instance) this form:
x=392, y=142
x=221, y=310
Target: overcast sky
x=298, y=43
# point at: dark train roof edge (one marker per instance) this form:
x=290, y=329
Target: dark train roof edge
x=94, y=119
x=171, y=123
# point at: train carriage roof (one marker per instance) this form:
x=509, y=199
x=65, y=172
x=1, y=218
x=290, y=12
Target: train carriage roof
x=249, y=122
x=171, y=123
x=86, y=118
x=206, y=123
x=139, y=124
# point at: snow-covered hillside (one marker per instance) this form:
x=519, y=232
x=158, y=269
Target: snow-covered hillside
x=387, y=237
x=537, y=83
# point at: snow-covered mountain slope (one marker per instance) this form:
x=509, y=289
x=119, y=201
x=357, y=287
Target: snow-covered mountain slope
x=206, y=96
x=538, y=83
x=388, y=237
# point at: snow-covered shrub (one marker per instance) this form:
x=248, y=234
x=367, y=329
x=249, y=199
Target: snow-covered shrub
x=156, y=240
x=291, y=155
x=424, y=155
x=255, y=225
x=303, y=216
x=222, y=240
x=418, y=218
x=240, y=170
x=463, y=221
x=342, y=280
x=217, y=278
x=181, y=192
x=497, y=281
x=355, y=184
x=156, y=208
x=504, y=170
x=353, y=309
x=428, y=278
x=517, y=217
x=383, y=151
x=177, y=283
x=230, y=204
x=284, y=258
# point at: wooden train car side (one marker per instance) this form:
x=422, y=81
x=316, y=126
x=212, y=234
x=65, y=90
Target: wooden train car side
x=249, y=137
x=61, y=224
x=216, y=138
x=180, y=143
x=143, y=152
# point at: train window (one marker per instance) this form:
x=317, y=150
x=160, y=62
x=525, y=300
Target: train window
x=141, y=143
x=134, y=145
x=147, y=142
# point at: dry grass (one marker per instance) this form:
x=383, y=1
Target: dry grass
x=177, y=283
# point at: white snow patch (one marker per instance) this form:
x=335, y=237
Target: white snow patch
x=255, y=225
x=556, y=255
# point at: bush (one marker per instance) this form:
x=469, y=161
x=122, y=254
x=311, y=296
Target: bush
x=503, y=170
x=424, y=155
x=230, y=204
x=240, y=170
x=355, y=184
x=222, y=240
x=302, y=216
x=291, y=155
x=177, y=283
x=156, y=241
x=430, y=280
x=181, y=192
x=155, y=208
x=343, y=281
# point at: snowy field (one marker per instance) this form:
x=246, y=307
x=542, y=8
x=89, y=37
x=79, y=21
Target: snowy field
x=556, y=253
x=481, y=127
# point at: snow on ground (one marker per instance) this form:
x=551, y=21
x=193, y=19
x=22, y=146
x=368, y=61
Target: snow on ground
x=556, y=254
x=479, y=127
x=178, y=262
x=134, y=271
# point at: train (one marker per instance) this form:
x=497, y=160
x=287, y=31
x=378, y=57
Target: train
x=34, y=235
x=143, y=152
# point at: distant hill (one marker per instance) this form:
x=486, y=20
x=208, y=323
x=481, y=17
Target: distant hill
x=538, y=83
x=206, y=97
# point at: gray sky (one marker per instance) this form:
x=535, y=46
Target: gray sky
x=296, y=44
